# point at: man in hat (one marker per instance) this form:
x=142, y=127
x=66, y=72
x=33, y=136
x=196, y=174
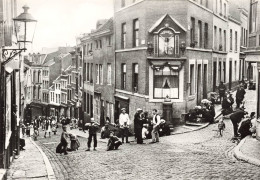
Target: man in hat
x=138, y=123
x=240, y=95
x=222, y=90
x=124, y=122
x=156, y=126
x=92, y=129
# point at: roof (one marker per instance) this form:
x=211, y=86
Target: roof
x=159, y=21
x=234, y=12
x=105, y=28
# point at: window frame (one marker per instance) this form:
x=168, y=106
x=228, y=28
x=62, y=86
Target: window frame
x=136, y=27
x=123, y=35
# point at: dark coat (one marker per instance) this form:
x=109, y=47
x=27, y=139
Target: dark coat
x=138, y=123
x=237, y=116
x=244, y=128
x=222, y=89
x=240, y=93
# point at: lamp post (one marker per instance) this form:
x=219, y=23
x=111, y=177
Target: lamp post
x=24, y=28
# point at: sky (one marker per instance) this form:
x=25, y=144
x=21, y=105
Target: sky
x=60, y=21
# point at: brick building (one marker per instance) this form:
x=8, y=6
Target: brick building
x=98, y=68
x=163, y=51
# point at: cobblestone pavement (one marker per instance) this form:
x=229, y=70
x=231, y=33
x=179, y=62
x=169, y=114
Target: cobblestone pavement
x=196, y=155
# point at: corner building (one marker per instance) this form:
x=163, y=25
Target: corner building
x=163, y=56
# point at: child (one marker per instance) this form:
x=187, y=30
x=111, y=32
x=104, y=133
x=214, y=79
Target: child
x=35, y=133
x=113, y=142
x=92, y=129
x=74, y=142
x=221, y=126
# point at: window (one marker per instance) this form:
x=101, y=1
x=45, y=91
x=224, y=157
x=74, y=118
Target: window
x=206, y=29
x=101, y=74
x=224, y=42
x=220, y=8
x=253, y=16
x=69, y=82
x=39, y=76
x=91, y=73
x=123, y=81
x=225, y=10
x=109, y=73
x=135, y=77
x=220, y=40
x=230, y=40
x=242, y=37
x=259, y=40
x=84, y=71
x=109, y=39
x=100, y=44
x=235, y=41
x=122, y=3
x=235, y=77
x=39, y=92
x=88, y=71
x=192, y=30
x=87, y=103
x=166, y=82
x=97, y=74
x=96, y=44
x=200, y=34
x=215, y=38
x=192, y=81
x=136, y=33
x=123, y=36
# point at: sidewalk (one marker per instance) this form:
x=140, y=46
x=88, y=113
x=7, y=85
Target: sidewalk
x=248, y=150
x=31, y=163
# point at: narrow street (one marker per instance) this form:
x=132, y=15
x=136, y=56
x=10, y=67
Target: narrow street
x=196, y=155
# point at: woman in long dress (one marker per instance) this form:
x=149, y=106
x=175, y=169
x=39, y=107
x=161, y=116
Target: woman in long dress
x=48, y=127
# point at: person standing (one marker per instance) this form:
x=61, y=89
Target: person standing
x=156, y=126
x=92, y=129
x=222, y=90
x=138, y=126
x=240, y=95
x=124, y=123
x=64, y=140
x=236, y=118
x=47, y=127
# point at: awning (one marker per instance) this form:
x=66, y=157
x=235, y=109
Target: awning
x=252, y=58
x=119, y=97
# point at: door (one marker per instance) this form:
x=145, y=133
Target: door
x=199, y=89
x=168, y=113
x=230, y=75
x=102, y=113
x=214, y=76
x=117, y=111
x=205, y=81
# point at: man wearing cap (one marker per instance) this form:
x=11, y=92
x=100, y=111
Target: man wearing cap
x=124, y=123
x=92, y=129
x=240, y=95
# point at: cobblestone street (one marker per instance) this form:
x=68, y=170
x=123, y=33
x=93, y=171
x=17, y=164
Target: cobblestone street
x=196, y=155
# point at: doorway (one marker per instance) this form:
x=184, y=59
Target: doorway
x=214, y=76
x=205, y=81
x=102, y=113
x=199, y=89
x=230, y=75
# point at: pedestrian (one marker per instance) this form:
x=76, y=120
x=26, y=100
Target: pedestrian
x=47, y=127
x=105, y=132
x=64, y=140
x=245, y=125
x=221, y=127
x=222, y=90
x=74, y=142
x=23, y=128
x=240, y=95
x=92, y=129
x=113, y=142
x=236, y=118
x=156, y=126
x=124, y=123
x=28, y=129
x=138, y=126
x=54, y=126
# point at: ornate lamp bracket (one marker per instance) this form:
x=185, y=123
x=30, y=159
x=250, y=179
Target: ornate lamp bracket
x=9, y=54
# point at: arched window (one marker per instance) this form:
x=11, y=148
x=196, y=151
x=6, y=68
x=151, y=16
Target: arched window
x=39, y=76
x=39, y=92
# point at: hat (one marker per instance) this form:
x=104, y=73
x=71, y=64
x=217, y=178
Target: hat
x=139, y=109
x=92, y=120
x=123, y=109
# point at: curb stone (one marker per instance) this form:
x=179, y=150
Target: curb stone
x=240, y=156
x=50, y=172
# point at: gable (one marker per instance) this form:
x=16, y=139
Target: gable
x=167, y=21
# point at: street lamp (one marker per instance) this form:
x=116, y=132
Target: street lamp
x=24, y=27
